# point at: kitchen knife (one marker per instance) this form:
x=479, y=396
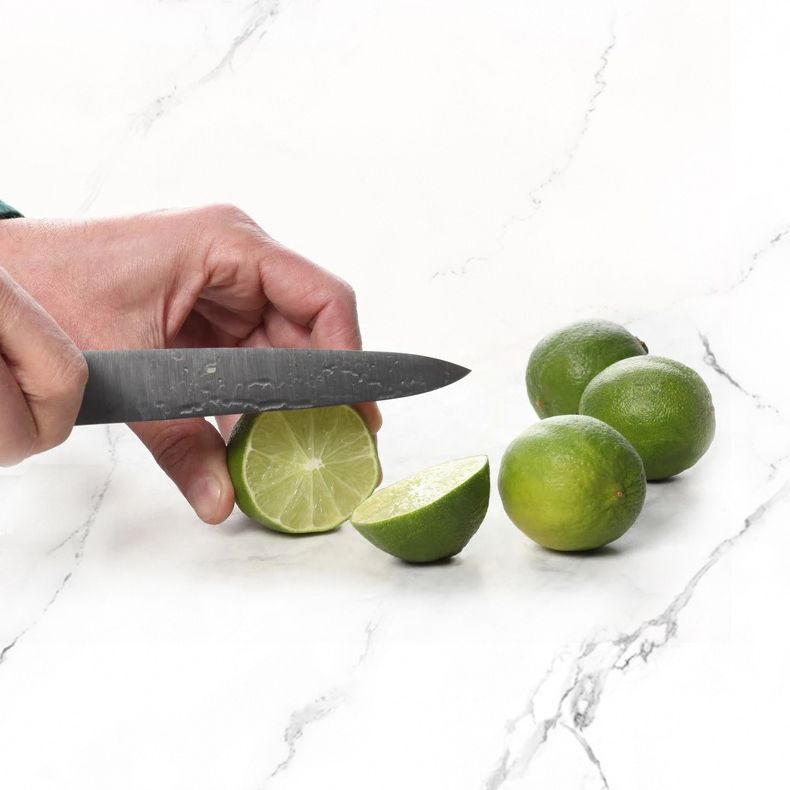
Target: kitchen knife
x=165, y=384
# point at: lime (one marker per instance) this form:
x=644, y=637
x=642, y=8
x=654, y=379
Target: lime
x=572, y=483
x=304, y=470
x=661, y=406
x=562, y=363
x=430, y=515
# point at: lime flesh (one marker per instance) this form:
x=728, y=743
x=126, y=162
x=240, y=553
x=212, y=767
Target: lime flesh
x=429, y=516
x=572, y=483
x=304, y=470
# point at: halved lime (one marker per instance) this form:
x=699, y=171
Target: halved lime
x=304, y=470
x=429, y=516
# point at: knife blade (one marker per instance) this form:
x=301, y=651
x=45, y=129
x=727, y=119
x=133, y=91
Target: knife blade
x=166, y=384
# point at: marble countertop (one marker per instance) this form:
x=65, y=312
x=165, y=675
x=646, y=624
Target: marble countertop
x=481, y=173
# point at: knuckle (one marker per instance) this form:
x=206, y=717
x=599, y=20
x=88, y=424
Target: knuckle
x=78, y=371
x=226, y=214
x=70, y=378
x=173, y=446
x=231, y=236
x=347, y=295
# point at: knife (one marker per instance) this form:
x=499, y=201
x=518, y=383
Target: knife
x=166, y=384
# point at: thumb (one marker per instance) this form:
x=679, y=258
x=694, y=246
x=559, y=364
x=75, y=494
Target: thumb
x=193, y=455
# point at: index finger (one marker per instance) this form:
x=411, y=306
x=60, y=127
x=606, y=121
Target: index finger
x=311, y=297
x=305, y=294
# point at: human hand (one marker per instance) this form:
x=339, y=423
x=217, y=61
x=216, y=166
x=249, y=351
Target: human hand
x=42, y=377
x=201, y=277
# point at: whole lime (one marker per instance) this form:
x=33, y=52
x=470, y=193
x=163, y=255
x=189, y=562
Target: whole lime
x=563, y=363
x=572, y=483
x=660, y=405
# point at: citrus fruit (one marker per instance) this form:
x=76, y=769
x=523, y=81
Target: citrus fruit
x=429, y=516
x=304, y=470
x=572, y=483
x=661, y=406
x=562, y=363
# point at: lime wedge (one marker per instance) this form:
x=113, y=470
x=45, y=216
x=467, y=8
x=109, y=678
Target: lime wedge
x=304, y=470
x=429, y=516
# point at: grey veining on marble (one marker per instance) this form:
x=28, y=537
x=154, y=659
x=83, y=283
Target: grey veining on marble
x=259, y=15
x=320, y=707
x=481, y=174
x=535, y=195
x=73, y=542
x=584, y=676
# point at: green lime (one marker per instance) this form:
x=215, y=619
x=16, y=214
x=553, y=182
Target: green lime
x=430, y=515
x=562, y=363
x=572, y=483
x=304, y=470
x=661, y=406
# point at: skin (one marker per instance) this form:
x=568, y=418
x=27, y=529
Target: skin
x=207, y=277
x=42, y=377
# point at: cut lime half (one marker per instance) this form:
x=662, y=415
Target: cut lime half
x=304, y=470
x=429, y=516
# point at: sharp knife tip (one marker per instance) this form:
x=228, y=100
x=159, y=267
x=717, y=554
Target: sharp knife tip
x=457, y=372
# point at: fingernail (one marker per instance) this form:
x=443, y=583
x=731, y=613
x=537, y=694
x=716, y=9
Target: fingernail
x=204, y=496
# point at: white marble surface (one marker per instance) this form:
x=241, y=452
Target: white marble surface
x=482, y=173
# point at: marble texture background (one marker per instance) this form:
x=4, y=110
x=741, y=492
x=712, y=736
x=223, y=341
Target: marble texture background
x=481, y=173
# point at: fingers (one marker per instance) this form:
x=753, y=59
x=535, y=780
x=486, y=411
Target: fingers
x=258, y=339
x=302, y=304
x=287, y=332
x=311, y=297
x=42, y=377
x=192, y=453
x=371, y=415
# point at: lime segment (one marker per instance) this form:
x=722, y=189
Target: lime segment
x=304, y=470
x=429, y=516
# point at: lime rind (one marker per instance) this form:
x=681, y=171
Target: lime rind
x=661, y=406
x=430, y=515
x=564, y=361
x=302, y=471
x=572, y=483
x=415, y=492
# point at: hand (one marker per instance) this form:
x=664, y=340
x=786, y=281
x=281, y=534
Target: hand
x=202, y=277
x=42, y=377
